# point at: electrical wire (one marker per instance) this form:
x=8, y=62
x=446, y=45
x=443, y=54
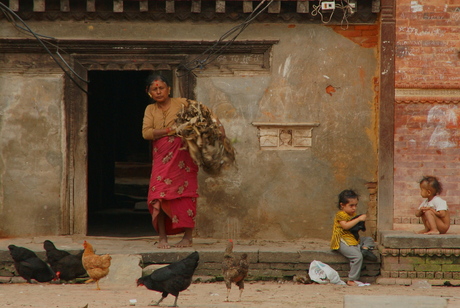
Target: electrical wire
x=213, y=52
x=11, y=16
x=346, y=8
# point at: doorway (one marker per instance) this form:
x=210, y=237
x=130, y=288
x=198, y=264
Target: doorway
x=118, y=157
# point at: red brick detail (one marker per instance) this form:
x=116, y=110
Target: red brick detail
x=366, y=36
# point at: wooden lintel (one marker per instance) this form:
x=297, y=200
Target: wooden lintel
x=247, y=7
x=196, y=6
x=118, y=6
x=91, y=5
x=65, y=6
x=169, y=6
x=14, y=5
x=39, y=5
x=275, y=7
x=144, y=6
x=302, y=6
x=220, y=6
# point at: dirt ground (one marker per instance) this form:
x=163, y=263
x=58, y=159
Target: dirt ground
x=256, y=294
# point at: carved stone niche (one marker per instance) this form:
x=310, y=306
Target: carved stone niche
x=285, y=136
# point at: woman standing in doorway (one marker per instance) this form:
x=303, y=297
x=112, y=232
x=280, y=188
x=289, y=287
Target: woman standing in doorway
x=173, y=189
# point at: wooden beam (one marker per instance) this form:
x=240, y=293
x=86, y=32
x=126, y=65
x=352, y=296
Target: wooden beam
x=118, y=6
x=196, y=6
x=14, y=5
x=39, y=5
x=65, y=6
x=302, y=6
x=220, y=6
x=169, y=6
x=144, y=6
x=275, y=7
x=91, y=5
x=386, y=116
x=247, y=7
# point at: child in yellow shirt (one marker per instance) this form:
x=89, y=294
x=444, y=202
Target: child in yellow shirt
x=345, y=242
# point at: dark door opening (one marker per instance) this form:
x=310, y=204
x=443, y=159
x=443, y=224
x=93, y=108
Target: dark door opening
x=118, y=157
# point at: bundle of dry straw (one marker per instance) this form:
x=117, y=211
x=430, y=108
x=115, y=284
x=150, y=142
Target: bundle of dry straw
x=207, y=146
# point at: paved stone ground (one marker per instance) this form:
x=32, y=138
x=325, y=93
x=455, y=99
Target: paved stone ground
x=256, y=294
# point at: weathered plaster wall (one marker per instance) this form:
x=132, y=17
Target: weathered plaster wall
x=292, y=194
x=31, y=157
x=317, y=75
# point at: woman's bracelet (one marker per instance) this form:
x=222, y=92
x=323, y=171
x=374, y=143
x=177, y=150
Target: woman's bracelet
x=168, y=130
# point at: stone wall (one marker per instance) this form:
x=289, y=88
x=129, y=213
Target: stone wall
x=407, y=257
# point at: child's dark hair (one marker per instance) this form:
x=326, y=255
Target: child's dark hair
x=346, y=195
x=433, y=182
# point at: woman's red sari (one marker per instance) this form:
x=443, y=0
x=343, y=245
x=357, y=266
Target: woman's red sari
x=174, y=184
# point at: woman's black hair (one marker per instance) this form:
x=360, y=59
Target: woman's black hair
x=155, y=77
x=433, y=182
x=346, y=195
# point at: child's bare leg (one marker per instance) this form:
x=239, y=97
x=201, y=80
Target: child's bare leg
x=431, y=225
x=442, y=224
x=425, y=223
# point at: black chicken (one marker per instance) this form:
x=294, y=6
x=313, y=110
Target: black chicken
x=29, y=266
x=66, y=265
x=171, y=279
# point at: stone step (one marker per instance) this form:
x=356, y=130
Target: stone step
x=136, y=187
x=268, y=259
x=132, y=170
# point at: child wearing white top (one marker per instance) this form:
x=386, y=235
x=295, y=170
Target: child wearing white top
x=433, y=210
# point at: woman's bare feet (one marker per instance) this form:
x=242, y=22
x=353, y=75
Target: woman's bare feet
x=185, y=242
x=163, y=244
x=422, y=231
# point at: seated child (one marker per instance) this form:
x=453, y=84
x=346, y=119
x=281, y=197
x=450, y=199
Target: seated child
x=433, y=210
x=343, y=240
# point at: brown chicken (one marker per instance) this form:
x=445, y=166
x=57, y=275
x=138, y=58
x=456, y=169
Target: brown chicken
x=97, y=266
x=234, y=269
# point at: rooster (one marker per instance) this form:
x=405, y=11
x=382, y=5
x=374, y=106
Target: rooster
x=171, y=279
x=97, y=266
x=66, y=265
x=29, y=266
x=234, y=270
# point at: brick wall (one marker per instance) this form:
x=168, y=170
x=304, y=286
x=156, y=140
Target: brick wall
x=427, y=142
x=427, y=42
x=427, y=138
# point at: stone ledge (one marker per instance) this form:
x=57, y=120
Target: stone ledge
x=392, y=239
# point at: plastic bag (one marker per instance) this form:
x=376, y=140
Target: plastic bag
x=322, y=273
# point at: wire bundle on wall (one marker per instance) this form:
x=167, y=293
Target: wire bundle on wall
x=213, y=52
x=344, y=5
x=12, y=17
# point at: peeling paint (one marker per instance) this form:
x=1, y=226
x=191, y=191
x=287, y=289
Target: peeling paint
x=330, y=89
x=415, y=7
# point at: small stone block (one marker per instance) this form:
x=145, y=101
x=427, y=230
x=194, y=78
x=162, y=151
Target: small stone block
x=370, y=301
